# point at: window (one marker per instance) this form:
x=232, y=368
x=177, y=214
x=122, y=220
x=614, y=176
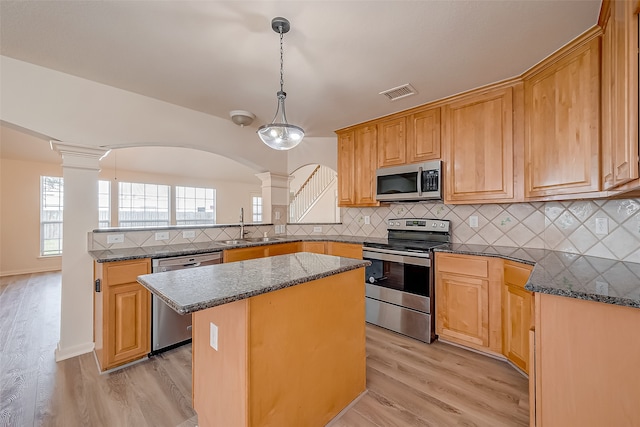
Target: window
x=256, y=203
x=143, y=205
x=51, y=209
x=195, y=205
x=104, y=204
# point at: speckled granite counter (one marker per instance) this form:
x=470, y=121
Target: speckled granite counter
x=570, y=275
x=163, y=251
x=196, y=289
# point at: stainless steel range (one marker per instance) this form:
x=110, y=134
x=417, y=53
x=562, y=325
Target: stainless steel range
x=400, y=280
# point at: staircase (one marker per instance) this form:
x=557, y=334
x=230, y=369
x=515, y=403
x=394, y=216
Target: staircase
x=310, y=192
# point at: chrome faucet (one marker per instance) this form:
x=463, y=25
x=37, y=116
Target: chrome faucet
x=242, y=223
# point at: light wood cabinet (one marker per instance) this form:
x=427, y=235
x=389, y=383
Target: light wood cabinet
x=562, y=116
x=468, y=300
x=242, y=254
x=619, y=93
x=423, y=135
x=314, y=247
x=517, y=314
x=347, y=250
x=411, y=138
x=122, y=313
x=357, y=163
x=586, y=363
x=479, y=147
x=392, y=142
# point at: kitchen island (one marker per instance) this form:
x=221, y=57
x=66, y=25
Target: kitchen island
x=276, y=341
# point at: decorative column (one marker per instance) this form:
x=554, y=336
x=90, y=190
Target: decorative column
x=275, y=199
x=80, y=167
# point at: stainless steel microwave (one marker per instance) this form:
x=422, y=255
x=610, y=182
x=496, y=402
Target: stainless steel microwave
x=419, y=181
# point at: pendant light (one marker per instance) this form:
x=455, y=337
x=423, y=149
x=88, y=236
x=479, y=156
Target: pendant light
x=279, y=134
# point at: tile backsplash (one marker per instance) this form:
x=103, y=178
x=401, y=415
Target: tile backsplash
x=568, y=226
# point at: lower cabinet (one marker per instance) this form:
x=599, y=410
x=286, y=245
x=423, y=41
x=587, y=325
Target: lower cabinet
x=481, y=303
x=467, y=294
x=517, y=314
x=242, y=254
x=314, y=247
x=122, y=313
x=347, y=250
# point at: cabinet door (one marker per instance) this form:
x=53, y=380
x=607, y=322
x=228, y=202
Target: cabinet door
x=517, y=322
x=346, y=168
x=392, y=136
x=282, y=249
x=478, y=134
x=365, y=162
x=619, y=94
x=129, y=333
x=562, y=132
x=314, y=247
x=423, y=136
x=462, y=309
x=241, y=254
x=347, y=250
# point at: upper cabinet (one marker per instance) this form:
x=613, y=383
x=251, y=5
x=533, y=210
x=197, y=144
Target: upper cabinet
x=562, y=110
x=410, y=138
x=357, y=162
x=478, y=137
x=619, y=93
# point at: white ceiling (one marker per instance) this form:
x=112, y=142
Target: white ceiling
x=217, y=56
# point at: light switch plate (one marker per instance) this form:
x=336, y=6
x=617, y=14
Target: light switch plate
x=317, y=229
x=602, y=226
x=162, y=235
x=277, y=215
x=367, y=219
x=115, y=238
x=473, y=221
x=189, y=234
x=213, y=336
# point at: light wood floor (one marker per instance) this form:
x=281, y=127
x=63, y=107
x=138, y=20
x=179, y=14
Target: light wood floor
x=409, y=383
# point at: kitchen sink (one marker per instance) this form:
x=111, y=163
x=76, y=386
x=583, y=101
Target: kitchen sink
x=233, y=242
x=261, y=239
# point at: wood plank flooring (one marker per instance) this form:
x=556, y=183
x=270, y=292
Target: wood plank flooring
x=409, y=383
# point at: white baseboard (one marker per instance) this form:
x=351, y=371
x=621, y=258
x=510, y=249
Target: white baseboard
x=73, y=351
x=28, y=271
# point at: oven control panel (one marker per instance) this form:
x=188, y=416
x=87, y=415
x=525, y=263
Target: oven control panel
x=418, y=224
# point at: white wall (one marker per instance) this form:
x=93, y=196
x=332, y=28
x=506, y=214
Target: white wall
x=20, y=217
x=323, y=151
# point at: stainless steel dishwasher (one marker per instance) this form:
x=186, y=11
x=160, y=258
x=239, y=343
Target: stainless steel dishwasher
x=168, y=328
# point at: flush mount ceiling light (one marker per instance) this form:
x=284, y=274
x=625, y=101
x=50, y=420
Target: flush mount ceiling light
x=242, y=118
x=279, y=134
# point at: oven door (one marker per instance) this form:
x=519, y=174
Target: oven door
x=398, y=293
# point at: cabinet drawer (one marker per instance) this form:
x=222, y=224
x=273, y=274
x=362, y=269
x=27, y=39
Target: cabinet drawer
x=125, y=272
x=469, y=266
x=516, y=274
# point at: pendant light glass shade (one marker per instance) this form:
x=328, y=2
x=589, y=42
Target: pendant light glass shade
x=279, y=134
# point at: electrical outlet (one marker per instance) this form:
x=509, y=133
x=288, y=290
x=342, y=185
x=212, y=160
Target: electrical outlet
x=473, y=221
x=189, y=234
x=367, y=219
x=317, y=229
x=213, y=336
x=162, y=235
x=602, y=287
x=602, y=226
x=115, y=238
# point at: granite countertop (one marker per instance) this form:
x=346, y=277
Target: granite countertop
x=199, y=288
x=566, y=274
x=164, y=251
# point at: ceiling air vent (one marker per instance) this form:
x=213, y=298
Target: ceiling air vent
x=399, y=92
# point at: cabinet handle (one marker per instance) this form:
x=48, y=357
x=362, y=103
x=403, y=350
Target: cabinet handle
x=98, y=285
